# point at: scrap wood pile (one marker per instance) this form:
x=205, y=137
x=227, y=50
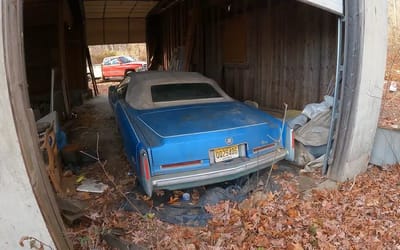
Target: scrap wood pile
x=361, y=213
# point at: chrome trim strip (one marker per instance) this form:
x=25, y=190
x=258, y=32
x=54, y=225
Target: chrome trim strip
x=228, y=170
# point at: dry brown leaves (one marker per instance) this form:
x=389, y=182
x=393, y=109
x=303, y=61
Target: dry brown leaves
x=104, y=216
x=363, y=215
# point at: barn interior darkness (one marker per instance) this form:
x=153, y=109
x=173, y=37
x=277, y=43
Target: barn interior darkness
x=271, y=52
x=268, y=51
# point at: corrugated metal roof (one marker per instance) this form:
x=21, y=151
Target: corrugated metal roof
x=116, y=21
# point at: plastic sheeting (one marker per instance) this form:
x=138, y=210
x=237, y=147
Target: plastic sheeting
x=312, y=110
x=189, y=213
x=311, y=133
x=316, y=131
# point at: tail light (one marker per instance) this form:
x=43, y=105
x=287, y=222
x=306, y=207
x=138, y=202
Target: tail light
x=290, y=144
x=293, y=139
x=264, y=148
x=182, y=164
x=144, y=164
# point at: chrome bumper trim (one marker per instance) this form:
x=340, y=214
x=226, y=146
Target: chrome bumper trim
x=218, y=172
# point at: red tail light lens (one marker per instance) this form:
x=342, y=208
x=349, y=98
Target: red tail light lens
x=182, y=164
x=145, y=165
x=263, y=148
x=293, y=139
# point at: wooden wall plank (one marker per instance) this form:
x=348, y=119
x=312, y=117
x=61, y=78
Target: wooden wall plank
x=291, y=49
x=25, y=123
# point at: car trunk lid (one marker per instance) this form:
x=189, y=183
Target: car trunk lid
x=188, y=136
x=205, y=118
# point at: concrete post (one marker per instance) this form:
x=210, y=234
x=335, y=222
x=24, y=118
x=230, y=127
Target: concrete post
x=363, y=76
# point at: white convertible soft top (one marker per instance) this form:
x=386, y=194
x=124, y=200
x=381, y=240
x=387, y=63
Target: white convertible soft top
x=139, y=88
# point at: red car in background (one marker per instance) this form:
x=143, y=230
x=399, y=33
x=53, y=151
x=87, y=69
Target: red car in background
x=119, y=66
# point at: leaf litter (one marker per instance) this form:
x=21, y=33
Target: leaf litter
x=362, y=213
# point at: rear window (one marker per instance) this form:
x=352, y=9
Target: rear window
x=126, y=59
x=182, y=91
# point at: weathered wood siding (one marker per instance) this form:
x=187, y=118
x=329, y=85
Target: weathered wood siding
x=54, y=39
x=290, y=53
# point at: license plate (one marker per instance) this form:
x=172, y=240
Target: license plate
x=226, y=153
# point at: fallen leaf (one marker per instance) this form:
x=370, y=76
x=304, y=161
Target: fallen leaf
x=80, y=178
x=294, y=246
x=292, y=213
x=270, y=196
x=173, y=200
x=150, y=215
x=195, y=195
x=145, y=197
x=83, y=196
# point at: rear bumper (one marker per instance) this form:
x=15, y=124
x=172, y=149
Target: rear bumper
x=217, y=173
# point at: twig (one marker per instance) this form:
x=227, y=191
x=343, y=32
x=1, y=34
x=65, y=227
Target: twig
x=89, y=155
x=283, y=121
x=269, y=176
x=354, y=182
x=35, y=240
x=97, y=146
x=108, y=176
x=279, y=141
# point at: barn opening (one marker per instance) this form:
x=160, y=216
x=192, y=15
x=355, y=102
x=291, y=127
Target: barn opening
x=272, y=52
x=253, y=50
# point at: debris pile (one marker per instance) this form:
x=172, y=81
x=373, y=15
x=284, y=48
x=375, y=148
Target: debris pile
x=311, y=133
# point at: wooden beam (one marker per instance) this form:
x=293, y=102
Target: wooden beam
x=25, y=122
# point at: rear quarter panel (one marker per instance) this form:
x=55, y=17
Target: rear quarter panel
x=131, y=137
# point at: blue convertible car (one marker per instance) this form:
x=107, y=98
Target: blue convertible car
x=180, y=130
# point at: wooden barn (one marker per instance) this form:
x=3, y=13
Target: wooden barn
x=268, y=51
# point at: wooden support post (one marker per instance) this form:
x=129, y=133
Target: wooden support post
x=89, y=61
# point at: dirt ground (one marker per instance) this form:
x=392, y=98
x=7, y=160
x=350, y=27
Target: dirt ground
x=103, y=86
x=94, y=131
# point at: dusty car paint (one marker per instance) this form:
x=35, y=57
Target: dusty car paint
x=194, y=144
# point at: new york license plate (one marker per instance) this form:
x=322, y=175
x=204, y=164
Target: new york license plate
x=226, y=153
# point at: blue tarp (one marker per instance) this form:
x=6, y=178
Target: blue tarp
x=194, y=214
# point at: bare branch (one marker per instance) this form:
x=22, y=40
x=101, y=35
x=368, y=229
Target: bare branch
x=103, y=167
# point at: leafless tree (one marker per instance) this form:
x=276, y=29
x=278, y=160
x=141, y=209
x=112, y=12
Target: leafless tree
x=393, y=53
